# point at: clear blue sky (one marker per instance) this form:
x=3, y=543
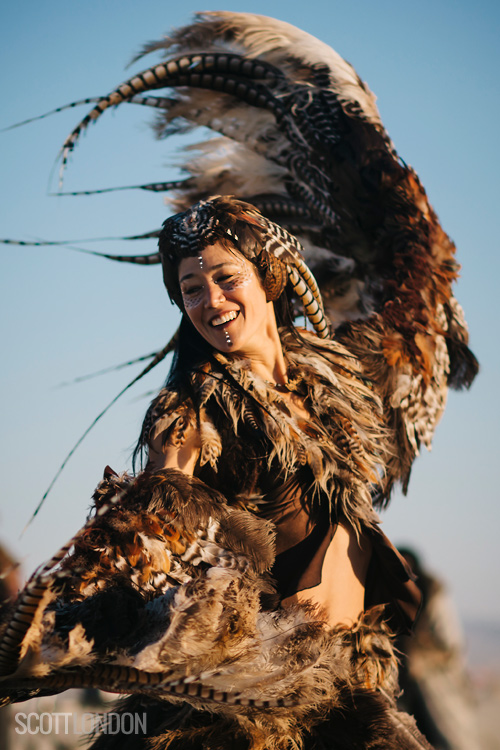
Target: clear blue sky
x=434, y=68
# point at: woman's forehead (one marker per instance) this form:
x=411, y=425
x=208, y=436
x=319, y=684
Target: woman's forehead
x=210, y=259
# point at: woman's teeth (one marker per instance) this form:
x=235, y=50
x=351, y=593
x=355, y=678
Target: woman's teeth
x=225, y=318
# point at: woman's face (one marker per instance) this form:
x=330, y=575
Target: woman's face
x=225, y=300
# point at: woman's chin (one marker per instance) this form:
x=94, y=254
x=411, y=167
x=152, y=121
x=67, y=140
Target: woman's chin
x=227, y=338
x=221, y=340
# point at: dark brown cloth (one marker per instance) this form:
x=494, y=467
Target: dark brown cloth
x=304, y=531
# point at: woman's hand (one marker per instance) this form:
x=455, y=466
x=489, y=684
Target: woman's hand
x=169, y=456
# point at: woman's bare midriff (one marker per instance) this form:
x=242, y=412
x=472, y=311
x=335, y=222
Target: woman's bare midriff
x=341, y=593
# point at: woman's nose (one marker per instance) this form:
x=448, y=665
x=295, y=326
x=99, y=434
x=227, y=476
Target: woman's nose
x=214, y=295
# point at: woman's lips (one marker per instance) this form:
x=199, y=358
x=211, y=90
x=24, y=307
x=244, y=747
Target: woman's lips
x=220, y=320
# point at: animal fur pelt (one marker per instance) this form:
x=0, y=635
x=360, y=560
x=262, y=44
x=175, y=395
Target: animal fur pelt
x=164, y=594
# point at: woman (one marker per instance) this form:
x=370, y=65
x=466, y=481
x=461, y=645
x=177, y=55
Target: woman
x=287, y=427
x=215, y=268
x=266, y=439
x=239, y=586
x=225, y=301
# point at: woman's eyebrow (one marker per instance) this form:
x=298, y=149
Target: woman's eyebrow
x=212, y=268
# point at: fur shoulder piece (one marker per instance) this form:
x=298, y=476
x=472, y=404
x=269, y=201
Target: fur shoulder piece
x=160, y=595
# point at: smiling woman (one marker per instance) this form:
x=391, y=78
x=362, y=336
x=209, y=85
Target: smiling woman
x=250, y=538
x=276, y=419
x=239, y=585
x=225, y=300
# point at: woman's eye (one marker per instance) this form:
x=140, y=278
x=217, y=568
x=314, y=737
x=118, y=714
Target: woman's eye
x=226, y=277
x=192, y=290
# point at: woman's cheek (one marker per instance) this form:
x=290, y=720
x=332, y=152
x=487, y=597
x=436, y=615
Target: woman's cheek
x=192, y=300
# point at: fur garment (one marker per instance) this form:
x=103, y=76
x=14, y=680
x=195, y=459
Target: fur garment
x=165, y=592
x=165, y=595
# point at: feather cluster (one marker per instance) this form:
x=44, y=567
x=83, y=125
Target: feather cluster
x=343, y=443
x=300, y=137
x=164, y=593
x=361, y=438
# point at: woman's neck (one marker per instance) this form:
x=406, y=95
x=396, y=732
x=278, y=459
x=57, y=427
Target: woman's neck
x=270, y=366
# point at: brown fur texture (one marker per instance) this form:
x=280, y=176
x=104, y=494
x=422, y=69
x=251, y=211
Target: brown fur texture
x=364, y=720
x=165, y=592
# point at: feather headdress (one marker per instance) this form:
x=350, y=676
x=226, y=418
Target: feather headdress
x=298, y=135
